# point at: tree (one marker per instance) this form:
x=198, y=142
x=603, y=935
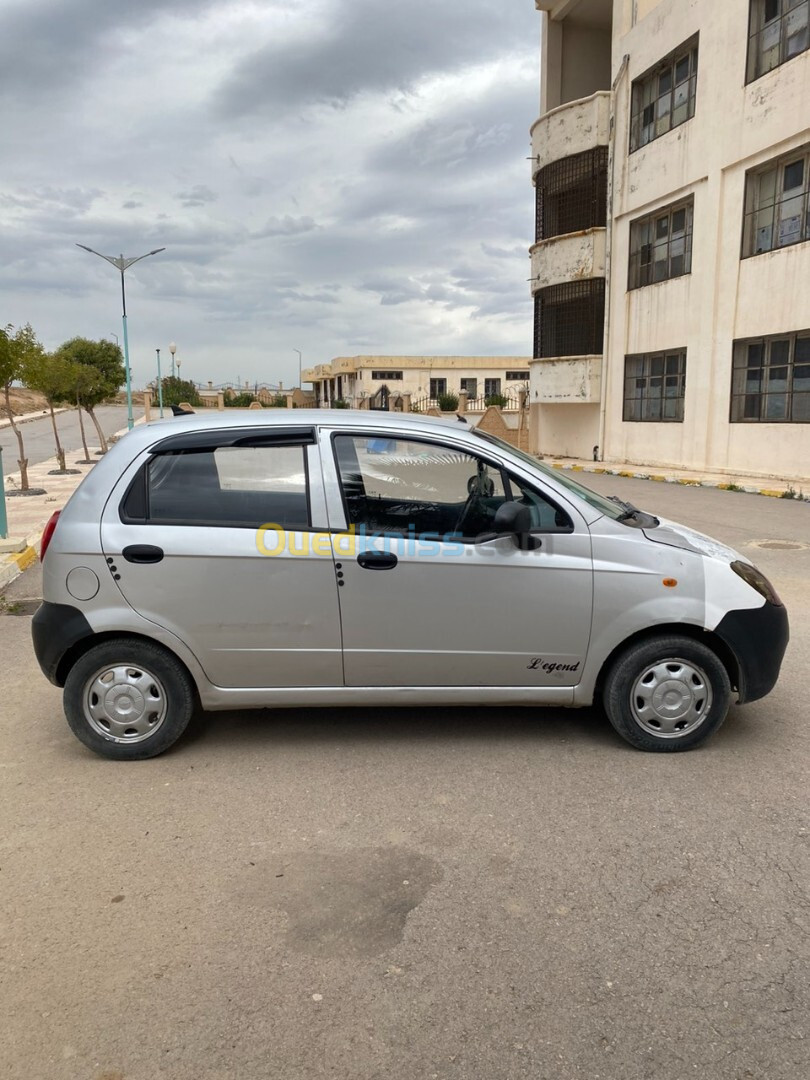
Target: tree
x=51, y=376
x=177, y=390
x=19, y=350
x=82, y=378
x=106, y=362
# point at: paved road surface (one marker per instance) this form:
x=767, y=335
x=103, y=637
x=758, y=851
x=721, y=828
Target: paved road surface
x=467, y=894
x=38, y=434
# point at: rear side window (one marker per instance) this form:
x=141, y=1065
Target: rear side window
x=237, y=486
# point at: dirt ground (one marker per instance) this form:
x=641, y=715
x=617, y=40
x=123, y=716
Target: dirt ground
x=24, y=401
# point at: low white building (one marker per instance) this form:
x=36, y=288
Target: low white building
x=670, y=271
x=378, y=381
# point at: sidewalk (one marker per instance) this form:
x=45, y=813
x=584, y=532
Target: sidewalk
x=753, y=485
x=23, y=418
x=29, y=514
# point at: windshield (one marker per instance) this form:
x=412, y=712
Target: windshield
x=598, y=502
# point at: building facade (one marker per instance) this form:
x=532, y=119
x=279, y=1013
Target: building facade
x=379, y=381
x=670, y=272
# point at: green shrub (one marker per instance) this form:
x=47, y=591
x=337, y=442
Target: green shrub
x=239, y=401
x=447, y=402
x=340, y=403
x=278, y=402
x=496, y=399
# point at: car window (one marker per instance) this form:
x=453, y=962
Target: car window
x=598, y=502
x=402, y=486
x=245, y=486
x=547, y=516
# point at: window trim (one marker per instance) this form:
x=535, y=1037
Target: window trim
x=681, y=352
x=687, y=204
x=379, y=375
x=670, y=61
x=766, y=341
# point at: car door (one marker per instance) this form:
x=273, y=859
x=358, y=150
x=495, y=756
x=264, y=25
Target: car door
x=428, y=597
x=211, y=536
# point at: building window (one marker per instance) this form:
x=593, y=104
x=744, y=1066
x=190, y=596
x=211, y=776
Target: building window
x=492, y=387
x=470, y=387
x=391, y=376
x=770, y=379
x=571, y=194
x=438, y=387
x=777, y=31
x=569, y=319
x=517, y=376
x=664, y=97
x=654, y=385
x=661, y=245
x=777, y=204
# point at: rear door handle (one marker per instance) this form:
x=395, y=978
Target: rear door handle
x=142, y=553
x=377, y=560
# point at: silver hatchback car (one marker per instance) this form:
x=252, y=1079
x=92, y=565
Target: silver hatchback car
x=354, y=558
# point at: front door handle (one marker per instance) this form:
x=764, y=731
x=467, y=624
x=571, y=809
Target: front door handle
x=142, y=553
x=377, y=560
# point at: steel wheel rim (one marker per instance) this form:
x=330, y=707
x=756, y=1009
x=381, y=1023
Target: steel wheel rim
x=671, y=698
x=125, y=703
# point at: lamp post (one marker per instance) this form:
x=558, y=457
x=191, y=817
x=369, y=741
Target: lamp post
x=113, y=334
x=173, y=350
x=299, y=367
x=123, y=264
x=160, y=385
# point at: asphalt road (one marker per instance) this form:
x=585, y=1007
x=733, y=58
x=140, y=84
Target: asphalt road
x=486, y=894
x=38, y=434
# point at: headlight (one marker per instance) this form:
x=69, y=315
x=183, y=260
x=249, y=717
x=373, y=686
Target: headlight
x=757, y=580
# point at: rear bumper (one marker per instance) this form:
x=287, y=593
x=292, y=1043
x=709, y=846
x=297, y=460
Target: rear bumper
x=758, y=638
x=56, y=628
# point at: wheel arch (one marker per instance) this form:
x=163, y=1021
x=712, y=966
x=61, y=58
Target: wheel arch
x=705, y=637
x=85, y=644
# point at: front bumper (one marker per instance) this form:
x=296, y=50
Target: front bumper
x=758, y=638
x=56, y=628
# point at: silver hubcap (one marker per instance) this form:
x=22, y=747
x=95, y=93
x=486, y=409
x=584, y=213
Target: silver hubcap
x=124, y=703
x=671, y=698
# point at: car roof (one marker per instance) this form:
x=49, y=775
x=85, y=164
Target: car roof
x=271, y=417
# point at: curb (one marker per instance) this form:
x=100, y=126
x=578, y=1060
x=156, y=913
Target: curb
x=684, y=481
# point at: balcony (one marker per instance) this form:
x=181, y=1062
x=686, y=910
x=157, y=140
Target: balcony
x=570, y=129
x=566, y=380
x=573, y=257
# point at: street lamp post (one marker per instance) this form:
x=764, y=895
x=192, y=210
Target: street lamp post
x=113, y=334
x=160, y=385
x=299, y=367
x=121, y=264
x=173, y=350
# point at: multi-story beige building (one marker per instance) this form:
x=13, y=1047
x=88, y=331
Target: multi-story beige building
x=377, y=381
x=671, y=269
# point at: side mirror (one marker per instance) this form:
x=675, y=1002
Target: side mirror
x=514, y=519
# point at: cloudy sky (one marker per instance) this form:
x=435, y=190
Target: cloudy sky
x=337, y=176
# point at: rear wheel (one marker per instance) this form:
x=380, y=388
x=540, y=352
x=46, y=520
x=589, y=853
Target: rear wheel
x=128, y=699
x=667, y=693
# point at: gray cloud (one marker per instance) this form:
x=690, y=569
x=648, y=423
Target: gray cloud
x=358, y=46
x=199, y=195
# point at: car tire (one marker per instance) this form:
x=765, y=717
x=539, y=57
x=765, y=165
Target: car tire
x=667, y=694
x=128, y=699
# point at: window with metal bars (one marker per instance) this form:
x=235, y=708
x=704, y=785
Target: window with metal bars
x=661, y=245
x=654, y=386
x=664, y=97
x=571, y=194
x=569, y=319
x=777, y=203
x=770, y=380
x=777, y=31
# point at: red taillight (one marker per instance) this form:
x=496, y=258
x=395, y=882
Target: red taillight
x=48, y=533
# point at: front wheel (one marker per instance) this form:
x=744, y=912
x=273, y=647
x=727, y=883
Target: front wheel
x=128, y=699
x=667, y=693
